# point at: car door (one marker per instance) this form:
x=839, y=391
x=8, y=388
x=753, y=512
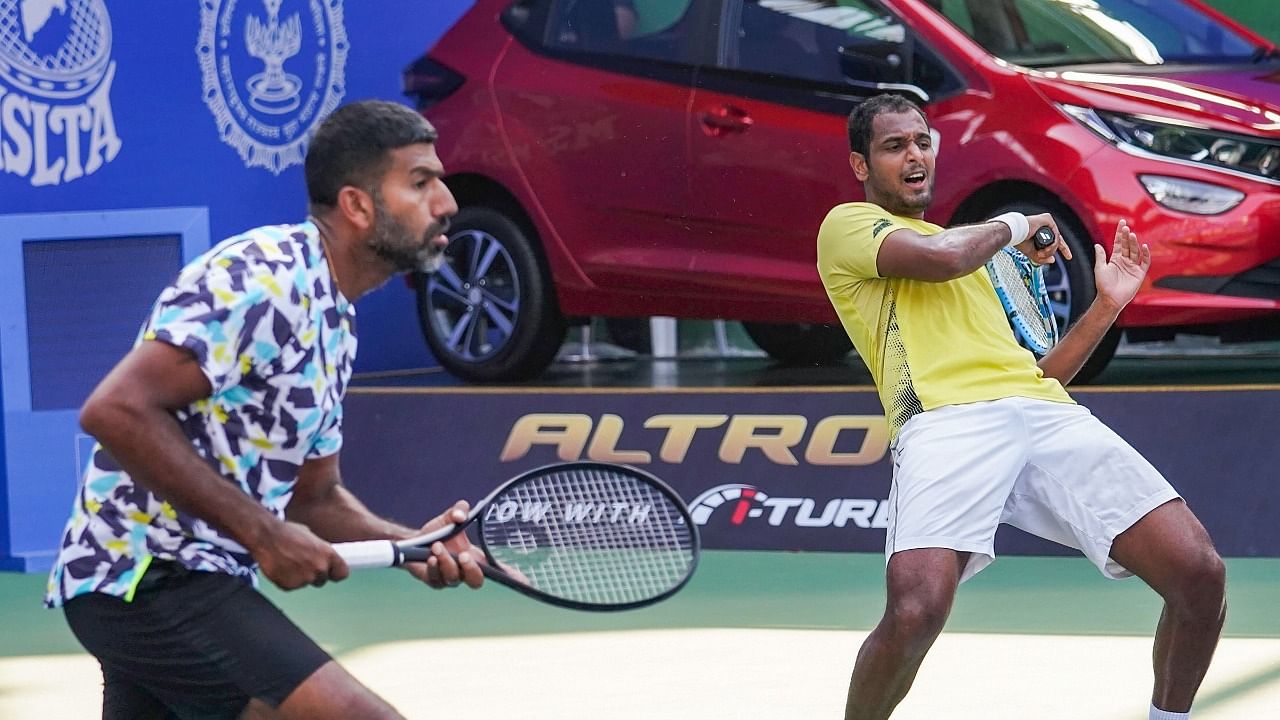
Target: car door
x=768, y=140
x=597, y=126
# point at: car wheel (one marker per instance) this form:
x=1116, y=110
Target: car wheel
x=800, y=344
x=1070, y=285
x=490, y=312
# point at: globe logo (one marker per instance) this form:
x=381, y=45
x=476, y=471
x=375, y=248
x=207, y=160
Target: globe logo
x=55, y=90
x=54, y=48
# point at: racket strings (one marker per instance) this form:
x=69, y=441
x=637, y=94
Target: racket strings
x=594, y=536
x=617, y=558
x=1016, y=288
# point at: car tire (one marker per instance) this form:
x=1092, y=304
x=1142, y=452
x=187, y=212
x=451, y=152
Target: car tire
x=800, y=344
x=1070, y=284
x=490, y=312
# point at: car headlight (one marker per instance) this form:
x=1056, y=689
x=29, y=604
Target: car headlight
x=1191, y=196
x=1182, y=142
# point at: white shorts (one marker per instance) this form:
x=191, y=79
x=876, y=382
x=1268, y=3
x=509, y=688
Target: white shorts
x=1050, y=469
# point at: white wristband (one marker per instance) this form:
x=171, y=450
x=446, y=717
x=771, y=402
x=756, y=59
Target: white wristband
x=1019, y=227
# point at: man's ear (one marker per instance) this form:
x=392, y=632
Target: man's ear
x=356, y=207
x=859, y=164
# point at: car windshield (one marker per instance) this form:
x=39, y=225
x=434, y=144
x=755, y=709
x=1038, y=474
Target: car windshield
x=1048, y=33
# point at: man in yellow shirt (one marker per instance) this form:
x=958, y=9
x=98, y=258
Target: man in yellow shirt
x=982, y=433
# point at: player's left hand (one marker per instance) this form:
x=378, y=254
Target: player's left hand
x=453, y=561
x=1119, y=277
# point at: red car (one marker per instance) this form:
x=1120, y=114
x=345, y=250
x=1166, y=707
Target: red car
x=631, y=158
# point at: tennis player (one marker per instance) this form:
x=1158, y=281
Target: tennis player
x=218, y=438
x=984, y=435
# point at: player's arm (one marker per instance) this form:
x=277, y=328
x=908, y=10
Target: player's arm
x=1117, y=279
x=131, y=414
x=323, y=503
x=954, y=252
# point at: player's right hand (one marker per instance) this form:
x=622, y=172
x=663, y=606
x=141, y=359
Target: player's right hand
x=292, y=556
x=1048, y=255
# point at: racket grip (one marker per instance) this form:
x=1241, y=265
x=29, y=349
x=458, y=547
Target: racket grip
x=1043, y=237
x=370, y=554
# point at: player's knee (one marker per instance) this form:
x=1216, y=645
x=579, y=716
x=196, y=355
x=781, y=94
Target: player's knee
x=1202, y=582
x=920, y=617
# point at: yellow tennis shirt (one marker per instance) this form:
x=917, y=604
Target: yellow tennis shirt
x=927, y=344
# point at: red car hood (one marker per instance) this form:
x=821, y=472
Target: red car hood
x=1243, y=99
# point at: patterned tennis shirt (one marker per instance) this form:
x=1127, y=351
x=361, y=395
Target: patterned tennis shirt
x=261, y=314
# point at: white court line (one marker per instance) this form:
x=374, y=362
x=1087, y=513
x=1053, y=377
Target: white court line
x=728, y=673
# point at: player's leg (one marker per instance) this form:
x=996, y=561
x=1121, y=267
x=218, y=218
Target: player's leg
x=1087, y=488
x=921, y=587
x=123, y=699
x=950, y=485
x=95, y=621
x=207, y=644
x=279, y=670
x=330, y=692
x=1170, y=550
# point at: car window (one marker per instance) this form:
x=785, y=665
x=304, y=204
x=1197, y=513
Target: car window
x=628, y=28
x=1045, y=33
x=839, y=42
x=957, y=11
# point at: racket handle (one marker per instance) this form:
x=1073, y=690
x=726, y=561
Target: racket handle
x=1043, y=237
x=370, y=554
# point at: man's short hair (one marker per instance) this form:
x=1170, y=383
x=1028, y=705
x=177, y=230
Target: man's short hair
x=864, y=116
x=352, y=147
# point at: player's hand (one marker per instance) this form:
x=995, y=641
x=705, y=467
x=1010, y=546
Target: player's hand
x=1048, y=255
x=1119, y=277
x=453, y=561
x=290, y=555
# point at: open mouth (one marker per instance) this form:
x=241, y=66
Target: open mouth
x=915, y=180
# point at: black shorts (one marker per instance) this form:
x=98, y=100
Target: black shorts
x=191, y=645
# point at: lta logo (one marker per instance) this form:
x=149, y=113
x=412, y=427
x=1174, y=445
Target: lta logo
x=56, y=70
x=271, y=70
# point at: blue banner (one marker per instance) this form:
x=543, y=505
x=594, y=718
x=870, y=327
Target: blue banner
x=780, y=469
x=133, y=134
x=134, y=104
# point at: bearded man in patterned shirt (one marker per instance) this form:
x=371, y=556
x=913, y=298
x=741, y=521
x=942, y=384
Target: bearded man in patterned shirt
x=218, y=439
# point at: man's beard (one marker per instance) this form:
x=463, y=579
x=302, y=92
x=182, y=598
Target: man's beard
x=913, y=205
x=395, y=243
x=904, y=204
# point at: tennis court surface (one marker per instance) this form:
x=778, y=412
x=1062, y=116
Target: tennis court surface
x=754, y=635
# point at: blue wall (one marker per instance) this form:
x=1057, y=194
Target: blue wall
x=133, y=134
x=170, y=152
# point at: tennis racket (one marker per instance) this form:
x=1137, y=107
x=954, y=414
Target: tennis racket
x=582, y=535
x=1019, y=284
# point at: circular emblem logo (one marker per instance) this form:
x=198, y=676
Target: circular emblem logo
x=55, y=90
x=55, y=49
x=271, y=70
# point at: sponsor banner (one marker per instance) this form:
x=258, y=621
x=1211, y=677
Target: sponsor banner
x=786, y=470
